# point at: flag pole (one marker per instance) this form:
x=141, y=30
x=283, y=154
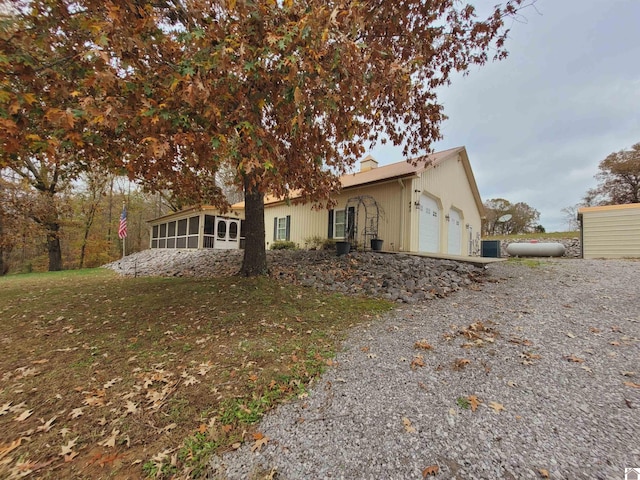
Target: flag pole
x=124, y=239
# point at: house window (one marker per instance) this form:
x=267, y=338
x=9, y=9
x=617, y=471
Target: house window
x=282, y=229
x=339, y=223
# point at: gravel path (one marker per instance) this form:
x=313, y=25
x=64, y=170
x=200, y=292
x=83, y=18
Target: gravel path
x=551, y=346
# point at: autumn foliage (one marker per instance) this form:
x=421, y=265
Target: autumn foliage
x=286, y=93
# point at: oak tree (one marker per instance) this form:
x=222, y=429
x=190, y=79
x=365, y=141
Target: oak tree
x=618, y=179
x=505, y=218
x=287, y=94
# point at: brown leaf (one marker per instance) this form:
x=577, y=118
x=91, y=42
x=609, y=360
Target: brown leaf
x=7, y=448
x=418, y=361
x=259, y=444
x=460, y=363
x=474, y=402
x=431, y=470
x=632, y=385
x=543, y=473
x=407, y=425
x=573, y=358
x=498, y=407
x=23, y=416
x=422, y=344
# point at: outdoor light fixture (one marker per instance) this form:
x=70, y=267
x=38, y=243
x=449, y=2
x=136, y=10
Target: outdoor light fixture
x=447, y=218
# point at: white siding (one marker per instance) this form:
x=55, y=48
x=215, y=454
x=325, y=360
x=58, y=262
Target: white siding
x=448, y=182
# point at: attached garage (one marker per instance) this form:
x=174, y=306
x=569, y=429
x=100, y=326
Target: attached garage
x=611, y=231
x=429, y=225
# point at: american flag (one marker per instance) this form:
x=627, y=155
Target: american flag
x=122, y=228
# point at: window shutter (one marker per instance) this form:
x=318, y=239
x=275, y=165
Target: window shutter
x=275, y=228
x=330, y=232
x=288, y=227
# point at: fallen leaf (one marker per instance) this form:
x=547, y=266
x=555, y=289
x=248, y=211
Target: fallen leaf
x=257, y=436
x=474, y=402
x=460, y=363
x=5, y=449
x=253, y=377
x=227, y=428
x=431, y=470
x=4, y=409
x=131, y=407
x=111, y=441
x=407, y=425
x=76, y=412
x=628, y=374
x=68, y=448
x=498, y=407
x=632, y=385
x=573, y=358
x=259, y=444
x=202, y=428
x=570, y=335
x=418, y=361
x=422, y=344
x=46, y=426
x=543, y=473
x=24, y=415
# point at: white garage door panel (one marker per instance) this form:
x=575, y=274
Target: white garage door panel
x=455, y=233
x=429, y=240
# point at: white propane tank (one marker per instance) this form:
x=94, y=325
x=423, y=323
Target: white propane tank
x=535, y=249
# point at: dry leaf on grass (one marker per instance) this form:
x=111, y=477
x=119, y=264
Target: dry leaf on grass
x=23, y=416
x=5, y=449
x=111, y=441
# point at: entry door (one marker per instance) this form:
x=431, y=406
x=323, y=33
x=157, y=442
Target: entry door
x=429, y=231
x=455, y=233
x=227, y=234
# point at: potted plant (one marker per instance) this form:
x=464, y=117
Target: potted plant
x=376, y=244
x=342, y=248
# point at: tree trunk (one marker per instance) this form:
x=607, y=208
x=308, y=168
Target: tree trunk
x=255, y=255
x=2, y=267
x=53, y=247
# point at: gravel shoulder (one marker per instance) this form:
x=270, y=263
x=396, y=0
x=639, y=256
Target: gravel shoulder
x=551, y=352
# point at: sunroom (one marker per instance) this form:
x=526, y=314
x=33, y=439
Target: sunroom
x=202, y=227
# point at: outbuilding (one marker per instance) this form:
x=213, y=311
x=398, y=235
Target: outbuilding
x=610, y=231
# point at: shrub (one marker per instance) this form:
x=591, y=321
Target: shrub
x=283, y=245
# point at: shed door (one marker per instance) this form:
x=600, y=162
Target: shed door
x=455, y=233
x=429, y=231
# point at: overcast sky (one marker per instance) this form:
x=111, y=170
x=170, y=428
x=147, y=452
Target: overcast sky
x=537, y=124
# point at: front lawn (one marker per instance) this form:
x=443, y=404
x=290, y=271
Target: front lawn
x=109, y=377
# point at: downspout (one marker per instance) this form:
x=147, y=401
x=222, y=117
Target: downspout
x=402, y=199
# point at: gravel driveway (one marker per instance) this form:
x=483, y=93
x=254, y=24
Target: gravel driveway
x=535, y=375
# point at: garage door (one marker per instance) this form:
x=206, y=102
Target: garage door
x=429, y=232
x=455, y=233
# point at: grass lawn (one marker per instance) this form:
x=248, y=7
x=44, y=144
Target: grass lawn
x=109, y=377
